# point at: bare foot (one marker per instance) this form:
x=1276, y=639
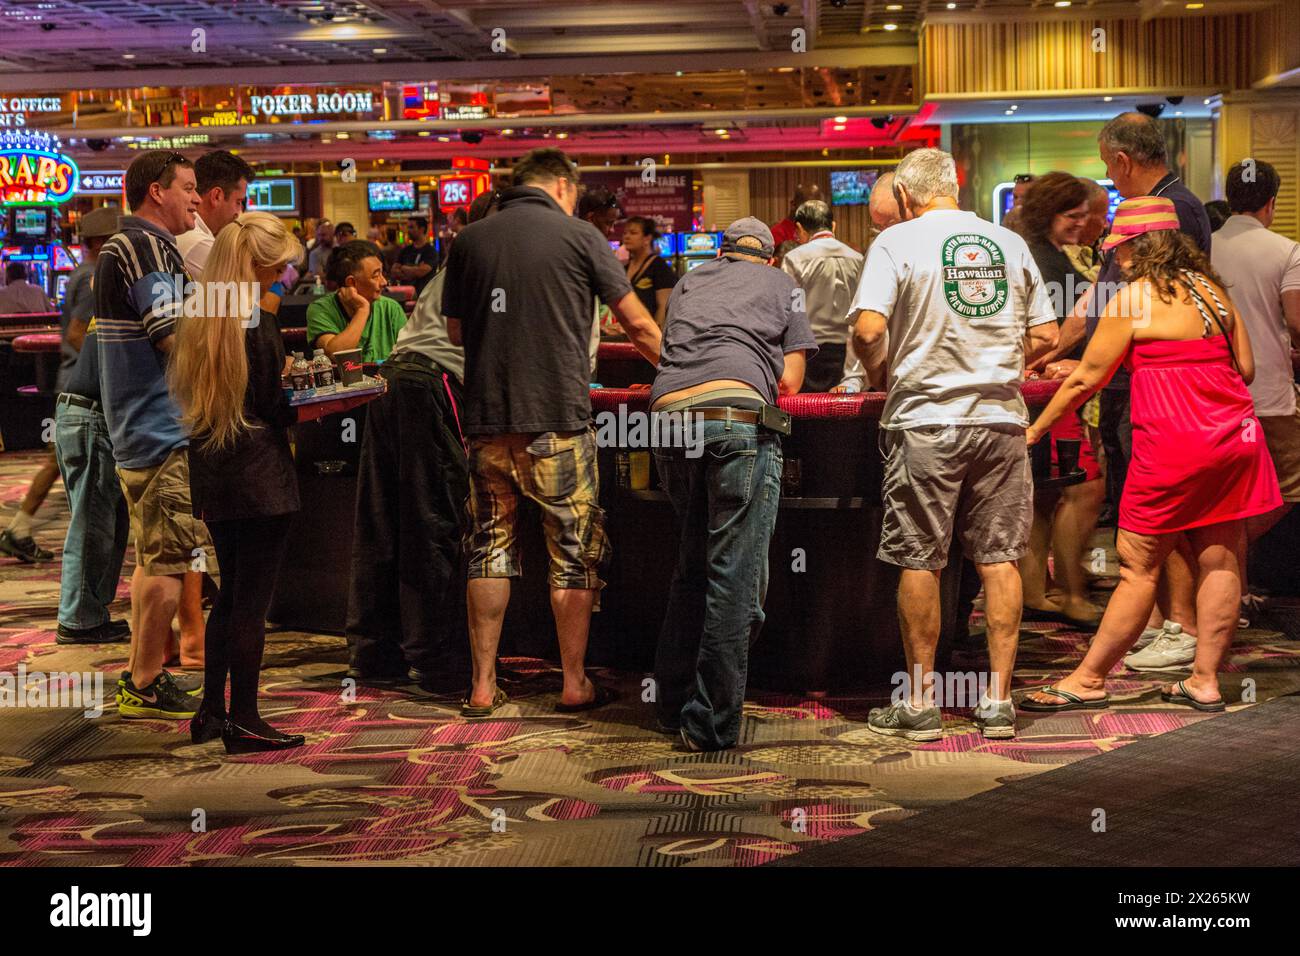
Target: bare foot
x=1084, y=690
x=585, y=695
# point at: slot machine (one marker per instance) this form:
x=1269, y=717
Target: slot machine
x=696, y=248
x=35, y=179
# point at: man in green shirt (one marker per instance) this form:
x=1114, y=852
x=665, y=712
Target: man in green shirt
x=358, y=315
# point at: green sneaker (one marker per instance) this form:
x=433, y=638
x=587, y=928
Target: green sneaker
x=995, y=719
x=160, y=700
x=897, y=720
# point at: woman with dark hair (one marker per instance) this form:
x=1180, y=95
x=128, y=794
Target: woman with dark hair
x=1053, y=214
x=1194, y=471
x=652, y=278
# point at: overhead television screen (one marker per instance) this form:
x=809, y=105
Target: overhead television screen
x=273, y=195
x=852, y=187
x=392, y=196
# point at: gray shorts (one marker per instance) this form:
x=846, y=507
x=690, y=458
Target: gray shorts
x=973, y=479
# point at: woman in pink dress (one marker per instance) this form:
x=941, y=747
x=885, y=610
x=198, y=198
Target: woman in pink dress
x=1199, y=467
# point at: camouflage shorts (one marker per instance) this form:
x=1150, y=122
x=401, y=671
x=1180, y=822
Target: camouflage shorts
x=558, y=471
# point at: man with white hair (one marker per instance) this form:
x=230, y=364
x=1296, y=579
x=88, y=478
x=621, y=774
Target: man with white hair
x=951, y=306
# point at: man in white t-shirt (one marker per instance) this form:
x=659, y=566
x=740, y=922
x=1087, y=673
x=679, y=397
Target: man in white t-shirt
x=222, y=180
x=1262, y=270
x=949, y=310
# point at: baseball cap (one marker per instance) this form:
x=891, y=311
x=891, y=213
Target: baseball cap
x=754, y=228
x=99, y=222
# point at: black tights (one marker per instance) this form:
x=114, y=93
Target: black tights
x=249, y=551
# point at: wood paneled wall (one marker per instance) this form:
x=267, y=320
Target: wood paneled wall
x=769, y=199
x=1058, y=56
x=1268, y=130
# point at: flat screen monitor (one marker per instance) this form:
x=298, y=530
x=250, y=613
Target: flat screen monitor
x=701, y=244
x=666, y=245
x=852, y=187
x=392, y=196
x=66, y=258
x=29, y=223
x=61, y=288
x=1004, y=199
x=273, y=195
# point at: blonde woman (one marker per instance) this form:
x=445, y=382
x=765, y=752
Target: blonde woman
x=225, y=375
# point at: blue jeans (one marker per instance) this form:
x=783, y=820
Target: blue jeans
x=726, y=502
x=98, y=528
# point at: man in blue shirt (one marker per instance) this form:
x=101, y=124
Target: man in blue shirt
x=140, y=281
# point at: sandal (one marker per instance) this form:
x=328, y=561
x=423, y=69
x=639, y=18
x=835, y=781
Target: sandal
x=602, y=697
x=1069, y=702
x=1187, y=700
x=474, y=710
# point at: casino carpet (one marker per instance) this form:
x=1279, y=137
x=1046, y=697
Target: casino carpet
x=399, y=778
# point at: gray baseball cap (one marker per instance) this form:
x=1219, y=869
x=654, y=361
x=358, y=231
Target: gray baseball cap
x=749, y=226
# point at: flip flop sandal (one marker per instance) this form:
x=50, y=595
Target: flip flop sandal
x=471, y=710
x=603, y=696
x=1070, y=702
x=1187, y=700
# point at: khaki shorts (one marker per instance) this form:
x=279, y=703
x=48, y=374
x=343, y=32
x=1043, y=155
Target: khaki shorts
x=1282, y=435
x=558, y=471
x=973, y=479
x=168, y=538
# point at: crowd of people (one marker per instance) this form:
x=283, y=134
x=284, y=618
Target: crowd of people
x=1171, y=347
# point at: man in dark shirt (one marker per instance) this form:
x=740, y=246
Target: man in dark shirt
x=520, y=290
x=736, y=336
x=1133, y=148
x=416, y=262
x=98, y=524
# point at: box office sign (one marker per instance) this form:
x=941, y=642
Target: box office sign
x=14, y=109
x=666, y=198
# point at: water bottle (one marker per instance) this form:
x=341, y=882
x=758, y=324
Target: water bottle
x=319, y=288
x=301, y=372
x=322, y=369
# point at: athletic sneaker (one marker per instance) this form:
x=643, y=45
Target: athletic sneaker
x=185, y=683
x=1171, y=650
x=1149, y=634
x=161, y=699
x=898, y=720
x=995, y=719
x=24, y=549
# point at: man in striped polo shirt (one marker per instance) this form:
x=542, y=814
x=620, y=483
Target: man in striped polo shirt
x=140, y=281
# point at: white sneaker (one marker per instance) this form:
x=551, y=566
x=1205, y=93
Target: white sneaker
x=1149, y=634
x=1171, y=650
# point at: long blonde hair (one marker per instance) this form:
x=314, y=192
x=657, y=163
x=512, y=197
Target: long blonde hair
x=208, y=371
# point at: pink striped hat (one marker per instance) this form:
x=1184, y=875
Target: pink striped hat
x=1133, y=217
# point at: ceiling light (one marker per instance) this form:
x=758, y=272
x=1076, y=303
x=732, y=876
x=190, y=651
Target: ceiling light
x=1010, y=112
x=891, y=27
x=1013, y=107
x=1195, y=6
x=424, y=132
x=839, y=128
x=380, y=50
x=1178, y=112
x=1207, y=101
x=444, y=139
x=561, y=135
x=1107, y=99
x=343, y=135
x=720, y=132
x=128, y=56
x=1062, y=3
x=894, y=6
x=507, y=132
x=841, y=119
x=952, y=6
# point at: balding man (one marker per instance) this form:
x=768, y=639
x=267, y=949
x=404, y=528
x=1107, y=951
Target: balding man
x=883, y=209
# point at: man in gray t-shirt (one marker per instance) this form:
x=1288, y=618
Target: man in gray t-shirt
x=951, y=307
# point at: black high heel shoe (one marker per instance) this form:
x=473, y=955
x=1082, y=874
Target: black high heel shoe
x=239, y=740
x=205, y=725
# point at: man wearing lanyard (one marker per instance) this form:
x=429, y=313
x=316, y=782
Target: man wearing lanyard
x=1132, y=146
x=827, y=271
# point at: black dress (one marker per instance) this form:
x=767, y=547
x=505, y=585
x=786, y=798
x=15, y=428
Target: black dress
x=254, y=476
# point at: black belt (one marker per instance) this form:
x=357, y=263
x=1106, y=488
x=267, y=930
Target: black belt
x=413, y=360
x=71, y=398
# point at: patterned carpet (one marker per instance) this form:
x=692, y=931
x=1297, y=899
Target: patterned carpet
x=400, y=778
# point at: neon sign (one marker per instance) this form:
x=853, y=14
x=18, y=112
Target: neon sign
x=33, y=171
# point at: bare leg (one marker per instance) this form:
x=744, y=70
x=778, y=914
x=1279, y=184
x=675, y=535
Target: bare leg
x=137, y=588
x=154, y=598
x=41, y=484
x=1002, y=603
x=1178, y=586
x=572, y=610
x=918, y=617
x=1220, y=551
x=1257, y=527
x=1033, y=566
x=1071, y=532
x=190, y=615
x=487, y=599
x=1140, y=559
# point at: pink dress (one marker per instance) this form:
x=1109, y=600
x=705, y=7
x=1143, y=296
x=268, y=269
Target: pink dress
x=1199, y=455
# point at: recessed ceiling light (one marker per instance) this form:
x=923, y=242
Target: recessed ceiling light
x=1195, y=6
x=841, y=119
x=444, y=139
x=1107, y=99
x=380, y=50
x=128, y=56
x=1207, y=101
x=720, y=132
x=506, y=132
x=1013, y=107
x=425, y=132
x=1178, y=112
x=891, y=27
x=343, y=135
x=839, y=128
x=561, y=135
x=894, y=6
x=1062, y=3
x=1010, y=112
x=952, y=6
